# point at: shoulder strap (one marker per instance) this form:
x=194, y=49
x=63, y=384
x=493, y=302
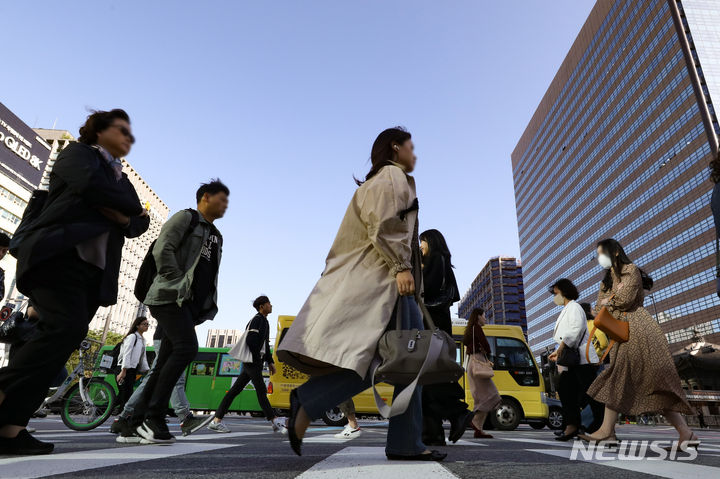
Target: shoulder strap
x=194, y=221
x=607, y=350
x=402, y=400
x=247, y=328
x=589, y=342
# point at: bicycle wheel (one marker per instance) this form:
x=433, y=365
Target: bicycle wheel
x=84, y=416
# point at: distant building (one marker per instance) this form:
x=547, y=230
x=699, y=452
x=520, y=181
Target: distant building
x=23, y=156
x=223, y=338
x=619, y=147
x=498, y=289
x=119, y=317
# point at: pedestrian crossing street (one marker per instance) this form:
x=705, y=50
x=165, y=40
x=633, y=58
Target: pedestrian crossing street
x=88, y=453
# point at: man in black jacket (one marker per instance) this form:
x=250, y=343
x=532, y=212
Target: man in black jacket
x=258, y=341
x=68, y=264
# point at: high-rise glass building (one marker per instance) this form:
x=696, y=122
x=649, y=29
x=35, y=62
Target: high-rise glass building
x=619, y=147
x=498, y=289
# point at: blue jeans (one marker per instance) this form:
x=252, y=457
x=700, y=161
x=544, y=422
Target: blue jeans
x=178, y=399
x=322, y=393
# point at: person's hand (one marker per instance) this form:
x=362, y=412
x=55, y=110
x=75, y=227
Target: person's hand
x=115, y=216
x=121, y=376
x=405, y=283
x=272, y=368
x=604, y=302
x=144, y=213
x=553, y=356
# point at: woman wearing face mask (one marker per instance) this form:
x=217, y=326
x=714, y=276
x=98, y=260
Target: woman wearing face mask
x=575, y=379
x=641, y=377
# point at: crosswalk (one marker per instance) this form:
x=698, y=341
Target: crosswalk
x=63, y=463
x=364, y=462
x=332, y=457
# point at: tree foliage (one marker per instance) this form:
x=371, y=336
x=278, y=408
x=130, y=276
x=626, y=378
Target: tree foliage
x=111, y=340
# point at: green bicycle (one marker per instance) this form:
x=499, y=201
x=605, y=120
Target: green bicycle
x=87, y=402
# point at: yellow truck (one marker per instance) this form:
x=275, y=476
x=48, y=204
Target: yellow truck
x=517, y=378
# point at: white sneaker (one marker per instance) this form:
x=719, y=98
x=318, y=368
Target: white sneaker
x=218, y=427
x=279, y=425
x=349, y=433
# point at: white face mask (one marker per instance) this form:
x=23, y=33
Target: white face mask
x=559, y=300
x=605, y=261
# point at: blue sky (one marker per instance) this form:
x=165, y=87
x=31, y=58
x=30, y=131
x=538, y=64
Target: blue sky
x=282, y=100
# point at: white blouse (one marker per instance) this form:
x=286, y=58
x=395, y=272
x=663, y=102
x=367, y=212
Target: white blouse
x=132, y=353
x=571, y=329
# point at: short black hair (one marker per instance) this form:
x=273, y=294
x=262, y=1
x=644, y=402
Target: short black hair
x=99, y=121
x=213, y=187
x=4, y=240
x=588, y=311
x=566, y=287
x=259, y=301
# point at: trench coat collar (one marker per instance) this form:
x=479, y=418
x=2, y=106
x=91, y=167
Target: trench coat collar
x=402, y=167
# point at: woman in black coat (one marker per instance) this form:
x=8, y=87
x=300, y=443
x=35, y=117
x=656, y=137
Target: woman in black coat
x=441, y=401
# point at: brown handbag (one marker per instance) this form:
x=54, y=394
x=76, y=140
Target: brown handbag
x=618, y=331
x=478, y=364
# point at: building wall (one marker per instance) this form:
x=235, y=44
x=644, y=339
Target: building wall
x=619, y=147
x=499, y=290
x=15, y=192
x=222, y=338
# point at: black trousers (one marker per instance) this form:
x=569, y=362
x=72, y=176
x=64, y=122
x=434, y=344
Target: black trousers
x=179, y=347
x=441, y=401
x=250, y=372
x=572, y=387
x=127, y=387
x=66, y=300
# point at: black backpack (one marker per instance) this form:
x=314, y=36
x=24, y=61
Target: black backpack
x=32, y=211
x=148, y=268
x=115, y=355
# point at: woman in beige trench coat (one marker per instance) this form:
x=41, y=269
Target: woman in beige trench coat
x=375, y=258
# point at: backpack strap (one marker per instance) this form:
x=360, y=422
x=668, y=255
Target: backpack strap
x=194, y=221
x=587, y=345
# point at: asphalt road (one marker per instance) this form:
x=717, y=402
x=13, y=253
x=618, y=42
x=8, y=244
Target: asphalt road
x=252, y=450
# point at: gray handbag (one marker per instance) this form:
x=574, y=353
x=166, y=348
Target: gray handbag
x=413, y=357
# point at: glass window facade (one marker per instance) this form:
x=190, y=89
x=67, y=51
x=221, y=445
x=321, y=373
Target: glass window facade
x=623, y=124
x=499, y=290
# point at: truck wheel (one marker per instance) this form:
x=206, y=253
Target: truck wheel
x=506, y=416
x=334, y=417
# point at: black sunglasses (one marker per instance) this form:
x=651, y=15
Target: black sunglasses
x=125, y=132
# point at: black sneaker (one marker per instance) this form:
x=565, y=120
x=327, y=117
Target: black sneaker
x=193, y=423
x=120, y=425
x=156, y=431
x=24, y=445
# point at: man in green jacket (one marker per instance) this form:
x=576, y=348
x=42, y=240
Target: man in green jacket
x=182, y=295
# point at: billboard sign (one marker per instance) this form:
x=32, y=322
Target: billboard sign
x=23, y=154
